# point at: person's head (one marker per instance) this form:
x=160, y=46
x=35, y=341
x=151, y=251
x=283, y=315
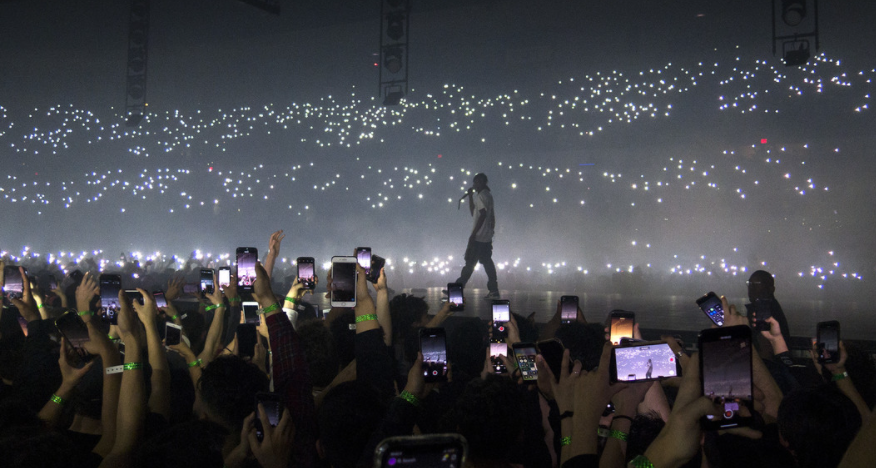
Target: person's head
x=406, y=312
x=488, y=416
x=348, y=417
x=817, y=425
x=344, y=337
x=26, y=442
x=643, y=431
x=584, y=342
x=480, y=181
x=226, y=391
x=760, y=286
x=202, y=447
x=319, y=351
x=466, y=348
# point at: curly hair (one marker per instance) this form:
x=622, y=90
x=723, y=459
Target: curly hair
x=406, y=310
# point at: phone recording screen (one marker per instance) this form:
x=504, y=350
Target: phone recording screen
x=109, y=296
x=726, y=371
x=569, y=309
x=496, y=350
x=363, y=256
x=434, y=351
x=224, y=278
x=246, y=262
x=828, y=343
x=455, y=294
x=250, y=312
x=160, y=300
x=645, y=362
x=621, y=327
x=343, y=282
x=428, y=456
x=207, y=282
x=172, y=334
x=501, y=315
x=73, y=328
x=526, y=362
x=305, y=274
x=711, y=306
x=12, y=282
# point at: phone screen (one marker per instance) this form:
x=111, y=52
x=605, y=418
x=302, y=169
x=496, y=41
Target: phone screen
x=552, y=352
x=363, y=256
x=224, y=277
x=525, y=356
x=455, y=297
x=621, y=327
x=305, y=272
x=344, y=282
x=653, y=361
x=13, y=285
x=434, y=348
x=134, y=296
x=73, y=328
x=246, y=339
x=725, y=360
x=250, y=312
x=501, y=315
x=160, y=300
x=109, y=297
x=828, y=342
x=377, y=262
x=172, y=334
x=273, y=409
x=207, y=281
x=711, y=306
x=422, y=453
x=246, y=262
x=496, y=350
x=568, y=309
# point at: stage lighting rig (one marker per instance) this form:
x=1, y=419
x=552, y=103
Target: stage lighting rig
x=796, y=30
x=138, y=41
x=271, y=6
x=395, y=22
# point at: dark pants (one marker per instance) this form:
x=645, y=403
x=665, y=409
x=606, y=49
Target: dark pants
x=479, y=252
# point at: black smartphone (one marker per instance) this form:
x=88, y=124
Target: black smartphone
x=725, y=372
x=273, y=409
x=621, y=324
x=246, y=262
x=172, y=334
x=343, y=282
x=525, y=354
x=501, y=316
x=246, y=339
x=552, y=351
x=306, y=272
x=250, y=312
x=110, y=285
x=13, y=283
x=160, y=300
x=568, y=309
x=638, y=362
x=74, y=330
x=761, y=311
x=224, y=277
x=207, y=286
x=373, y=273
x=134, y=296
x=363, y=256
x=431, y=451
x=433, y=345
x=455, y=297
x=827, y=342
x=711, y=306
x=496, y=350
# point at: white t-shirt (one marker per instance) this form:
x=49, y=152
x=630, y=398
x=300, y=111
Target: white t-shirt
x=484, y=201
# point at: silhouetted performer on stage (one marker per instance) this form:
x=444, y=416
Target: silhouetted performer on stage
x=650, y=368
x=480, y=242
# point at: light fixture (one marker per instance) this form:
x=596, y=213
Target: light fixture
x=793, y=12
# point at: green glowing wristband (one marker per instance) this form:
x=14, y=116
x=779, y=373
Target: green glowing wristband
x=174, y=317
x=268, y=309
x=409, y=397
x=365, y=318
x=641, y=462
x=85, y=312
x=234, y=299
x=292, y=300
x=565, y=441
x=619, y=435
x=214, y=306
x=58, y=400
x=196, y=362
x=133, y=365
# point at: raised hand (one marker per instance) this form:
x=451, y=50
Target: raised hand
x=216, y=296
x=275, y=449
x=274, y=244
x=85, y=292
x=174, y=288
x=148, y=312
x=27, y=306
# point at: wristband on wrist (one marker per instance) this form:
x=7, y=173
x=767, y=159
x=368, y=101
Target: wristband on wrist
x=41, y=306
x=58, y=400
x=292, y=299
x=214, y=306
x=409, y=397
x=174, y=317
x=196, y=362
x=234, y=299
x=619, y=435
x=268, y=309
x=85, y=312
x=133, y=365
x=641, y=462
x=366, y=317
x=841, y=376
x=565, y=441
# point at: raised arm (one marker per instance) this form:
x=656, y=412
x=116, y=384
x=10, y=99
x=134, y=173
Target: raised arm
x=214, y=334
x=273, y=251
x=159, y=397
x=383, y=317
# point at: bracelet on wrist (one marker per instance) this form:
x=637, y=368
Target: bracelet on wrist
x=641, y=462
x=58, y=400
x=619, y=435
x=133, y=365
x=268, y=309
x=366, y=317
x=409, y=397
x=196, y=362
x=840, y=376
x=214, y=306
x=174, y=317
x=41, y=306
x=292, y=299
x=234, y=299
x=565, y=441
x=85, y=312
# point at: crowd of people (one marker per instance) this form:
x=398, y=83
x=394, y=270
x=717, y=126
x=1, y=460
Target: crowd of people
x=353, y=377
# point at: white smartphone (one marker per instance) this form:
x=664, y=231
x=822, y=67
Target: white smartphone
x=344, y=281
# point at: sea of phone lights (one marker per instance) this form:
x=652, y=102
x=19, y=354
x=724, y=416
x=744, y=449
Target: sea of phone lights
x=582, y=107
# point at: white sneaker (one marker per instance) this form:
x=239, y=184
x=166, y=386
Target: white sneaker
x=493, y=296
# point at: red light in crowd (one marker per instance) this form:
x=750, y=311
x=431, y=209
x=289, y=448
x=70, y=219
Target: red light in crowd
x=763, y=141
x=211, y=169
x=439, y=156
